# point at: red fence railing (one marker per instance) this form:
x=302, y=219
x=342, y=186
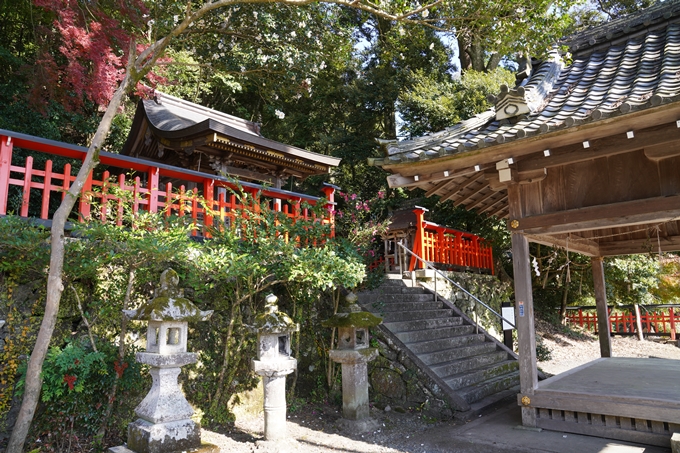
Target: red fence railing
x=204, y=197
x=449, y=248
x=625, y=323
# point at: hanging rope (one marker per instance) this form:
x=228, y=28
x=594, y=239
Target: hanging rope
x=568, y=279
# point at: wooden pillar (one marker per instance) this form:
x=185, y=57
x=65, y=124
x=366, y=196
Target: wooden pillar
x=524, y=308
x=603, y=326
x=526, y=333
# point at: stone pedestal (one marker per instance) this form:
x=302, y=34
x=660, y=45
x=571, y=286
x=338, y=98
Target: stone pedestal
x=274, y=381
x=354, y=381
x=353, y=353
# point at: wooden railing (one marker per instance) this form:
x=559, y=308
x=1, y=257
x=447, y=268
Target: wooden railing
x=655, y=322
x=449, y=249
x=207, y=199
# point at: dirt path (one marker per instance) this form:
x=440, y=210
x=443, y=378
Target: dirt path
x=313, y=427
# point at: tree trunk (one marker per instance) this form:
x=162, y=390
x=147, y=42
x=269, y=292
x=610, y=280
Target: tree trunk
x=55, y=285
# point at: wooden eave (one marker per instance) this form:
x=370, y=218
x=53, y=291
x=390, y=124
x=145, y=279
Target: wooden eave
x=636, y=224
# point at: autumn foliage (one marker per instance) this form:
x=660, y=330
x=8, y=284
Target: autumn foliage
x=84, y=50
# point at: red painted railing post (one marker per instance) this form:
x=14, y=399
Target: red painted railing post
x=580, y=317
x=26, y=195
x=47, y=188
x=419, y=241
x=153, y=182
x=209, y=195
x=440, y=247
x=5, y=164
x=329, y=192
x=85, y=194
x=672, y=316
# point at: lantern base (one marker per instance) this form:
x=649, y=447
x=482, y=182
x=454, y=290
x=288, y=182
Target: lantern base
x=204, y=448
x=357, y=426
x=181, y=435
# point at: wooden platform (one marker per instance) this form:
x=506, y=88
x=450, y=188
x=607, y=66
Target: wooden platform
x=636, y=400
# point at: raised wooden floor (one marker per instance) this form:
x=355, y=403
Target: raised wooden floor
x=630, y=399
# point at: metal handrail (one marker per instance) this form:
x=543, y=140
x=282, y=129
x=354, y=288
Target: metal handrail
x=429, y=265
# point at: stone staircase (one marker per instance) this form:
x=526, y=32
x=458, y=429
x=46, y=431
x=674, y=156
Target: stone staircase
x=471, y=368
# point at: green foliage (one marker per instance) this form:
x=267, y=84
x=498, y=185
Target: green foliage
x=430, y=105
x=76, y=380
x=632, y=279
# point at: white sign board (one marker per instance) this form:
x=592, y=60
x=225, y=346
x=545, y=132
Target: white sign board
x=509, y=314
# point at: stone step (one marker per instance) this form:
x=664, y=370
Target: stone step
x=458, y=366
x=434, y=334
x=414, y=315
x=478, y=375
x=383, y=307
x=395, y=289
x=423, y=347
x=394, y=298
x=481, y=390
x=422, y=324
x=447, y=355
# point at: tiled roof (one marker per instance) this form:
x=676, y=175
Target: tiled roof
x=621, y=67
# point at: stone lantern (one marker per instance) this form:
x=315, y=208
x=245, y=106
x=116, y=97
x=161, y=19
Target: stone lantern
x=353, y=352
x=273, y=363
x=164, y=423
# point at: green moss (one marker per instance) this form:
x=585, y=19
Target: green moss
x=356, y=319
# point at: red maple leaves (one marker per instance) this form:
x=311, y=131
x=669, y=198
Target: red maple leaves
x=84, y=52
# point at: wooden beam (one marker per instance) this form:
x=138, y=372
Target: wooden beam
x=439, y=186
x=499, y=211
x=603, y=327
x=473, y=192
x=650, y=210
x=490, y=193
x=460, y=187
x=575, y=244
x=524, y=310
x=658, y=152
x=493, y=207
x=603, y=147
x=631, y=247
x=397, y=180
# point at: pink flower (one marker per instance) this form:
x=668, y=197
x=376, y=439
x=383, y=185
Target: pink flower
x=381, y=194
x=354, y=196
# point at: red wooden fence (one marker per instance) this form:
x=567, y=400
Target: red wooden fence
x=446, y=247
x=658, y=322
x=204, y=202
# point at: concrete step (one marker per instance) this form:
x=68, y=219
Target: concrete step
x=423, y=347
x=434, y=334
x=394, y=298
x=383, y=307
x=422, y=324
x=481, y=390
x=447, y=355
x=472, y=377
x=414, y=315
x=466, y=364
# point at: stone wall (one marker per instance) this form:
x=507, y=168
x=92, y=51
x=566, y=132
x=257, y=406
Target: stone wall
x=395, y=382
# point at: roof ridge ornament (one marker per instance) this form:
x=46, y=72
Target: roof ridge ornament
x=528, y=98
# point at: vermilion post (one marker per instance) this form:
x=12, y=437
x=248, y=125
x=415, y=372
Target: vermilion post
x=419, y=242
x=329, y=193
x=47, y=189
x=26, y=197
x=672, y=316
x=209, y=195
x=152, y=185
x=84, y=205
x=5, y=163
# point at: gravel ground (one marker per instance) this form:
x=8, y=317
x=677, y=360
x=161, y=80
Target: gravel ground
x=313, y=429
